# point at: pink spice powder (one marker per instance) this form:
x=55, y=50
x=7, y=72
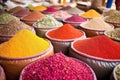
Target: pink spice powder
x=75, y=18
x=57, y=67
x=50, y=9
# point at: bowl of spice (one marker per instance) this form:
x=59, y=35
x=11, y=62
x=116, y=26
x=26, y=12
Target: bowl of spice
x=46, y=23
x=2, y=74
x=33, y=17
x=113, y=19
x=61, y=15
x=90, y=14
x=62, y=37
x=116, y=73
x=99, y=52
x=59, y=67
x=39, y=8
x=50, y=10
x=27, y=48
x=109, y=12
x=113, y=34
x=96, y=25
x=75, y=20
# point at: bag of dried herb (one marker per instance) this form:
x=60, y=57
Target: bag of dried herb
x=58, y=67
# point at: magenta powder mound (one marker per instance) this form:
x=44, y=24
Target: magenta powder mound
x=50, y=9
x=21, y=13
x=57, y=67
x=75, y=18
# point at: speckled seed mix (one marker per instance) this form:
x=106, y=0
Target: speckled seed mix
x=57, y=67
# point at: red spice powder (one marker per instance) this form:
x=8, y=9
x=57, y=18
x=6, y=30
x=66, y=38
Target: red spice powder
x=21, y=13
x=99, y=46
x=75, y=18
x=57, y=67
x=67, y=31
x=33, y=16
x=50, y=9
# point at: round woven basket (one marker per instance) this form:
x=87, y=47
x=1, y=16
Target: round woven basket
x=62, y=45
x=13, y=66
x=102, y=67
x=2, y=74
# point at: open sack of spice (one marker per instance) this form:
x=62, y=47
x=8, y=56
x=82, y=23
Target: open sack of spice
x=58, y=67
x=100, y=52
x=27, y=48
x=61, y=42
x=10, y=25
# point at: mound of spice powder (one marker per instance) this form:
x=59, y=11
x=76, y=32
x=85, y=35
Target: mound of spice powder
x=47, y=21
x=91, y=14
x=15, y=9
x=69, y=32
x=97, y=24
x=99, y=46
x=114, y=34
x=75, y=18
x=74, y=10
x=23, y=44
x=57, y=67
x=109, y=12
x=33, y=16
x=13, y=27
x=21, y=13
x=6, y=18
x=50, y=10
x=39, y=8
x=114, y=18
x=61, y=14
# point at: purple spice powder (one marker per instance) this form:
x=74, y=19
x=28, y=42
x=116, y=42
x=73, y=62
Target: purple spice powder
x=57, y=67
x=21, y=13
x=50, y=9
x=75, y=18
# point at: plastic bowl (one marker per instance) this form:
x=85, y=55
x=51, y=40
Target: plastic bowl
x=2, y=74
x=13, y=66
x=102, y=67
x=62, y=45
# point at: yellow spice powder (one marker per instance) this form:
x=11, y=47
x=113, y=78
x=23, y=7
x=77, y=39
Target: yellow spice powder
x=91, y=14
x=39, y=8
x=23, y=44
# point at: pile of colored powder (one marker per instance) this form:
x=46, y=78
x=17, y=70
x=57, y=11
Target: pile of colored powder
x=91, y=14
x=21, y=13
x=114, y=18
x=39, y=8
x=75, y=18
x=74, y=10
x=50, y=10
x=99, y=46
x=13, y=27
x=114, y=34
x=33, y=16
x=61, y=14
x=23, y=44
x=6, y=18
x=69, y=32
x=110, y=12
x=30, y=6
x=47, y=21
x=57, y=67
x=97, y=24
x=15, y=9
